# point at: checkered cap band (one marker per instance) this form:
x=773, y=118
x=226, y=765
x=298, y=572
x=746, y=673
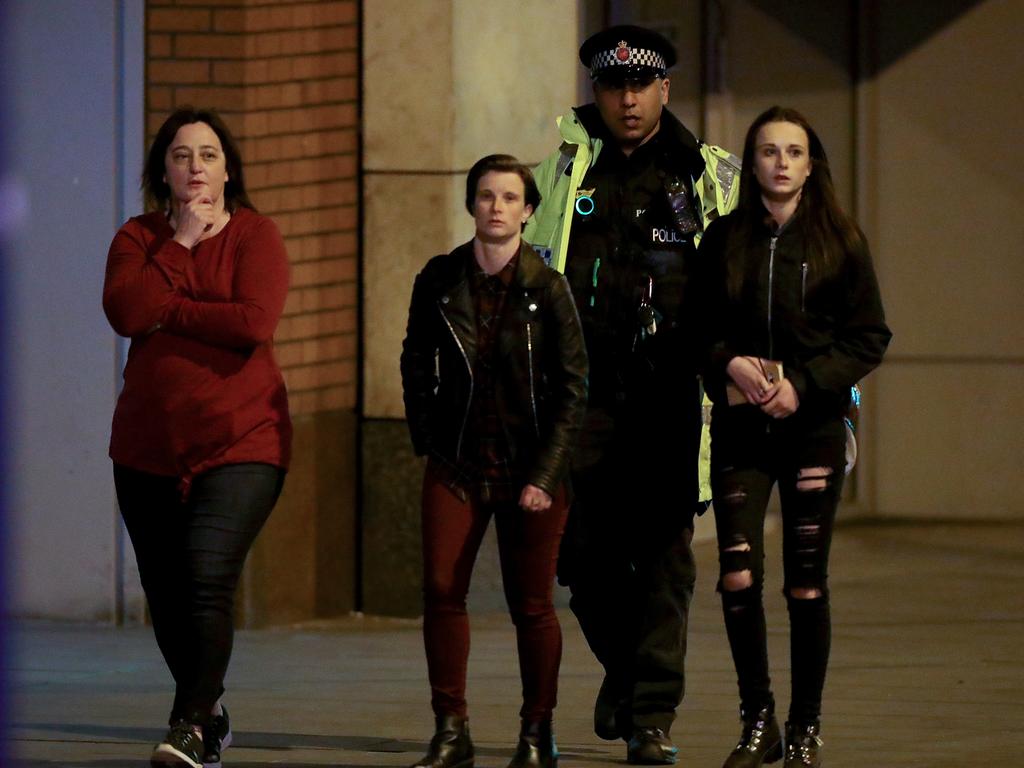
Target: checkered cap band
x=638, y=57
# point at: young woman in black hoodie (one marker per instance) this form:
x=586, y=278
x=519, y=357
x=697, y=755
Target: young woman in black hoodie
x=795, y=320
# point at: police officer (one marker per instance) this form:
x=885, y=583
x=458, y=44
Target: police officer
x=625, y=200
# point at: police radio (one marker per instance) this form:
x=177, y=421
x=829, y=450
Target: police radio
x=680, y=200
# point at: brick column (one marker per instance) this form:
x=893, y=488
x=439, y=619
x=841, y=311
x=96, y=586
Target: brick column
x=284, y=76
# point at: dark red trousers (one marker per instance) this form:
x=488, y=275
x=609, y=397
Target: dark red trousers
x=528, y=547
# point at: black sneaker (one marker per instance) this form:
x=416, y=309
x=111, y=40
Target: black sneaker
x=181, y=746
x=216, y=738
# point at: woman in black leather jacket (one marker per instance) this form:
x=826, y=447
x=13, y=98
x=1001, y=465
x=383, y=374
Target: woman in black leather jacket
x=795, y=320
x=494, y=375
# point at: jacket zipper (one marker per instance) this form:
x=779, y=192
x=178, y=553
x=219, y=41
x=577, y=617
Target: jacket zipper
x=803, y=287
x=469, y=369
x=771, y=279
x=529, y=360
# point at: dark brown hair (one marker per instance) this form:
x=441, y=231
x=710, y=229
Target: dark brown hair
x=831, y=233
x=158, y=192
x=501, y=164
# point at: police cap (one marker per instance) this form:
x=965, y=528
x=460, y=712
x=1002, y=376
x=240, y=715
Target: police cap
x=626, y=52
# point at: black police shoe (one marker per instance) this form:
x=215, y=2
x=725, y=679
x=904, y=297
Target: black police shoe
x=536, y=747
x=650, y=746
x=451, y=746
x=611, y=719
x=181, y=746
x=760, y=742
x=802, y=745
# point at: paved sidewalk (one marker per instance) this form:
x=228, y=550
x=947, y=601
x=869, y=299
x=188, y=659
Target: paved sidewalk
x=926, y=671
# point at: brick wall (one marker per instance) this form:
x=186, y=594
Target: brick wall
x=284, y=75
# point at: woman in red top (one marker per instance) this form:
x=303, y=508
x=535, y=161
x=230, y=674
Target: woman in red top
x=201, y=436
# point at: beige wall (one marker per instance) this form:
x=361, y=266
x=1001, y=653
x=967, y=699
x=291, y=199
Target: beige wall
x=942, y=198
x=445, y=83
x=766, y=63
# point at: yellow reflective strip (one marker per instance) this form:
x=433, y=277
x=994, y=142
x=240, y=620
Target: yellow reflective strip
x=704, y=458
x=580, y=166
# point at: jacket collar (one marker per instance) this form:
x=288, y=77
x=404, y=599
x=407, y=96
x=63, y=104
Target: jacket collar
x=531, y=269
x=529, y=272
x=676, y=138
x=768, y=223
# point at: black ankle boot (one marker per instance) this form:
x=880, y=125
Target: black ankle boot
x=760, y=742
x=451, y=746
x=536, y=747
x=802, y=745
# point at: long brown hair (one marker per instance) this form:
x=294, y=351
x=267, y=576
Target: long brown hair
x=830, y=232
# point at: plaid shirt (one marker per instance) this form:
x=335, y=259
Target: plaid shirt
x=486, y=465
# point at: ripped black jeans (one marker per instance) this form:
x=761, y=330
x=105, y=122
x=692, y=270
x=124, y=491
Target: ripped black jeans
x=805, y=455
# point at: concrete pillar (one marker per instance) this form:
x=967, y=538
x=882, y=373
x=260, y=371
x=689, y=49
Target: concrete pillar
x=445, y=83
x=942, y=192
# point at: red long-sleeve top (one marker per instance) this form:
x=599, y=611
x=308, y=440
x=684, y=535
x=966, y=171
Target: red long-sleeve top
x=201, y=386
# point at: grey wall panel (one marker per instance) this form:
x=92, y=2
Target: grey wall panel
x=67, y=153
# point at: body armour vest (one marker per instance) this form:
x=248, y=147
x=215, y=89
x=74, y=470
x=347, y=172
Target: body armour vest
x=630, y=262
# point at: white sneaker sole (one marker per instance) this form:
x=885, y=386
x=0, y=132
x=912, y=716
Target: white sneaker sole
x=165, y=754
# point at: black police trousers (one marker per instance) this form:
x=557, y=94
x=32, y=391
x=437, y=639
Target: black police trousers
x=626, y=555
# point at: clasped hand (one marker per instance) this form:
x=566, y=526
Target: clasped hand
x=777, y=399
x=534, y=499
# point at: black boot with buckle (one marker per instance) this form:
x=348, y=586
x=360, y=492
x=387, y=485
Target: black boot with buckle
x=802, y=745
x=536, y=747
x=451, y=746
x=760, y=742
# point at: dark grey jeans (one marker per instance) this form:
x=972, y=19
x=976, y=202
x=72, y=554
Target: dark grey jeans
x=190, y=557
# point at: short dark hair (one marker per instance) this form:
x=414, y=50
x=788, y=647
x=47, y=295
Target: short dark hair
x=501, y=164
x=158, y=192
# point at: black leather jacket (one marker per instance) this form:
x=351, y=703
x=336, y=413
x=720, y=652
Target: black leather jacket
x=542, y=385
